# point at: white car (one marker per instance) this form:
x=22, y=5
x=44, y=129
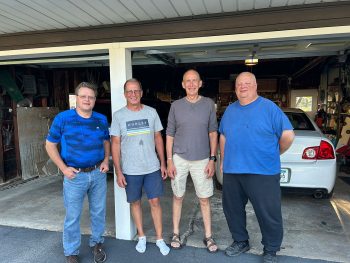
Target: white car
x=309, y=165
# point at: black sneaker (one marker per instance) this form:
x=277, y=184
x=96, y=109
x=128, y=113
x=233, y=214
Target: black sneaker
x=99, y=254
x=270, y=256
x=72, y=259
x=237, y=248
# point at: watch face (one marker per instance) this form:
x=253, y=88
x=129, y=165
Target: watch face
x=213, y=158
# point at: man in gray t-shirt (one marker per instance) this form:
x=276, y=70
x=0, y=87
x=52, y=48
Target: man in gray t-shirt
x=191, y=148
x=135, y=135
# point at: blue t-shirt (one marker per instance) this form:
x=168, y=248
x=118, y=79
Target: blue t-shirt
x=252, y=135
x=82, y=139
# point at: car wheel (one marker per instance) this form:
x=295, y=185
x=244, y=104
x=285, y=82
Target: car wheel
x=329, y=195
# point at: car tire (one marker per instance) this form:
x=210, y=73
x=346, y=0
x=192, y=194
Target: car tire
x=329, y=195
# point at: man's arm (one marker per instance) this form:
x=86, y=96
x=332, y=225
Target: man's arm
x=160, y=150
x=286, y=140
x=54, y=155
x=213, y=142
x=169, y=154
x=104, y=167
x=222, y=142
x=116, y=154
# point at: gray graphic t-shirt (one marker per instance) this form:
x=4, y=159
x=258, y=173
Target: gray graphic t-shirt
x=136, y=129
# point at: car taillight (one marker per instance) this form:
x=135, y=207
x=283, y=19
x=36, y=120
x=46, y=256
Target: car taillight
x=322, y=152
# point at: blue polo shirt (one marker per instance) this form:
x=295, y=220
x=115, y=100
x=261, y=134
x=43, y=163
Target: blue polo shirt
x=252, y=135
x=81, y=139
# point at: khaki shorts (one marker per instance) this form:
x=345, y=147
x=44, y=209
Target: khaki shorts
x=204, y=186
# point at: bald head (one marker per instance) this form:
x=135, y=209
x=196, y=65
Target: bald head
x=191, y=72
x=246, y=88
x=246, y=75
x=191, y=82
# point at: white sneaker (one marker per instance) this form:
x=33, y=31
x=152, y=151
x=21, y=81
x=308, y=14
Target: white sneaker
x=141, y=245
x=163, y=248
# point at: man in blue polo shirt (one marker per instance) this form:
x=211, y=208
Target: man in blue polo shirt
x=253, y=134
x=85, y=149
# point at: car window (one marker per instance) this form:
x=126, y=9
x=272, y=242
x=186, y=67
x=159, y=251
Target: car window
x=300, y=121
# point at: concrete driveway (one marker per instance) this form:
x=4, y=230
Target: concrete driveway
x=314, y=229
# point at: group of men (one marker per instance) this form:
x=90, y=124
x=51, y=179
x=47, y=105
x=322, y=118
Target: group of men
x=253, y=133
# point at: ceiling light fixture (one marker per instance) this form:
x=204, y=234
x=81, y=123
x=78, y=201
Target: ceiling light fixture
x=252, y=60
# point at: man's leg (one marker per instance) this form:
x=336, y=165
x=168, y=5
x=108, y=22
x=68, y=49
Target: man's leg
x=206, y=214
x=178, y=185
x=156, y=211
x=204, y=189
x=154, y=188
x=97, y=206
x=136, y=211
x=234, y=201
x=265, y=196
x=177, y=207
x=74, y=191
x=133, y=195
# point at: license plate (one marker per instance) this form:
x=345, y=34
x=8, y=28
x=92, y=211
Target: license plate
x=285, y=174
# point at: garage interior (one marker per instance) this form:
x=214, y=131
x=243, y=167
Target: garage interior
x=283, y=67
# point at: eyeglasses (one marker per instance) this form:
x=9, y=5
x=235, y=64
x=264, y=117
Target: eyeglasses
x=130, y=92
x=84, y=97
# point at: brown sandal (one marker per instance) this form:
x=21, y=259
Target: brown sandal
x=176, y=240
x=209, y=242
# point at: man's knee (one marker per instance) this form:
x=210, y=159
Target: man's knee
x=136, y=203
x=204, y=202
x=154, y=202
x=178, y=199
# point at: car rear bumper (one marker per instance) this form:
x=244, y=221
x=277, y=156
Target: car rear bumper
x=318, y=175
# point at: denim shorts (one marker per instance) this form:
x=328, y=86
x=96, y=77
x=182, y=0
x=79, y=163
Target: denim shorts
x=151, y=183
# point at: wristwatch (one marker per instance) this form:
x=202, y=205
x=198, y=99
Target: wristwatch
x=212, y=158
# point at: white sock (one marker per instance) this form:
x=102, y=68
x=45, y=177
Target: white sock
x=163, y=248
x=141, y=245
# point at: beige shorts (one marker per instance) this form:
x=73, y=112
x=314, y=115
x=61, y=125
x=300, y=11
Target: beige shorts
x=204, y=186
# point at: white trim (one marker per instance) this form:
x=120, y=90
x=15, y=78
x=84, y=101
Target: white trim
x=262, y=36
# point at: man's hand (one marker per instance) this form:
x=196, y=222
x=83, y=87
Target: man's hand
x=210, y=169
x=121, y=181
x=171, y=169
x=104, y=167
x=70, y=172
x=164, y=172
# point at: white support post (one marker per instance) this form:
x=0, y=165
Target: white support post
x=120, y=70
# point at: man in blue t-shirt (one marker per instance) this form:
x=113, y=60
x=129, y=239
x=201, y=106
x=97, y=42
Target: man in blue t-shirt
x=253, y=134
x=85, y=148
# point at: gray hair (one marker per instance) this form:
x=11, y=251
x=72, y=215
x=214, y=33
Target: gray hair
x=134, y=81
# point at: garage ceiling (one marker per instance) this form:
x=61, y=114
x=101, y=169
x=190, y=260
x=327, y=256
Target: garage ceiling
x=35, y=15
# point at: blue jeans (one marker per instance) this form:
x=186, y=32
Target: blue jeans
x=94, y=185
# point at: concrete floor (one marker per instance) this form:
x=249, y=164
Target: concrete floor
x=314, y=229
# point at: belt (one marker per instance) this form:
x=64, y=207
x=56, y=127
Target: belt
x=89, y=169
